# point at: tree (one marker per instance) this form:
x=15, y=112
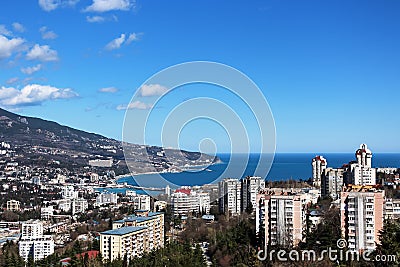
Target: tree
x=389, y=238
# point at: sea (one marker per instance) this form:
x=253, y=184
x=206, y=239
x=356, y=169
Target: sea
x=284, y=166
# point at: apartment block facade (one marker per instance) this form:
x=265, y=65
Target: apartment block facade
x=229, y=196
x=33, y=243
x=361, y=216
x=133, y=235
x=282, y=217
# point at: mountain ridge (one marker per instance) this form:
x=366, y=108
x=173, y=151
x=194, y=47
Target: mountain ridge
x=51, y=140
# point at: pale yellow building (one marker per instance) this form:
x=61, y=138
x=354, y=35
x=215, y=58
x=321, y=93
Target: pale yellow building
x=144, y=230
x=129, y=240
x=13, y=205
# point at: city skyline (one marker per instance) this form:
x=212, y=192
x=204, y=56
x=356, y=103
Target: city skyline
x=328, y=70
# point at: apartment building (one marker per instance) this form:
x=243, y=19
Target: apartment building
x=106, y=198
x=131, y=241
x=282, y=216
x=361, y=171
x=229, y=196
x=332, y=182
x=392, y=209
x=68, y=192
x=46, y=212
x=154, y=221
x=79, y=205
x=33, y=243
x=251, y=185
x=141, y=202
x=362, y=215
x=13, y=205
x=185, y=200
x=319, y=164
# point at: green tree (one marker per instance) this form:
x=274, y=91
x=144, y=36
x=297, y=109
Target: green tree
x=389, y=238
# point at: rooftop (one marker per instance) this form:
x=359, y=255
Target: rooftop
x=123, y=230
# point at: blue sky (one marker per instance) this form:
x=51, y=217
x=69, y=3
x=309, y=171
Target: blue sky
x=329, y=69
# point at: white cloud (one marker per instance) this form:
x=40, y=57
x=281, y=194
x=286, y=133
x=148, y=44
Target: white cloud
x=93, y=19
x=50, y=5
x=18, y=27
x=152, y=90
x=132, y=37
x=42, y=53
x=33, y=94
x=9, y=46
x=5, y=31
x=116, y=43
x=108, y=90
x=100, y=19
x=135, y=105
x=47, y=34
x=109, y=5
x=31, y=70
x=12, y=80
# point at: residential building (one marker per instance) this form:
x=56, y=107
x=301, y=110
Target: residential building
x=167, y=190
x=229, y=196
x=361, y=171
x=79, y=205
x=68, y=192
x=141, y=202
x=392, y=209
x=282, y=217
x=133, y=235
x=332, y=183
x=204, y=202
x=160, y=205
x=64, y=205
x=364, y=156
x=13, y=205
x=106, y=198
x=33, y=243
x=130, y=193
x=46, y=212
x=251, y=185
x=94, y=177
x=319, y=164
x=185, y=200
x=361, y=216
x=362, y=175
x=128, y=240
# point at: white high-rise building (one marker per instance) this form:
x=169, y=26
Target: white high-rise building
x=33, y=243
x=229, y=193
x=332, y=183
x=167, y=190
x=364, y=156
x=319, y=164
x=251, y=185
x=362, y=172
x=184, y=200
x=204, y=202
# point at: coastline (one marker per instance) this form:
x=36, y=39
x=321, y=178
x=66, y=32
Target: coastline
x=183, y=169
